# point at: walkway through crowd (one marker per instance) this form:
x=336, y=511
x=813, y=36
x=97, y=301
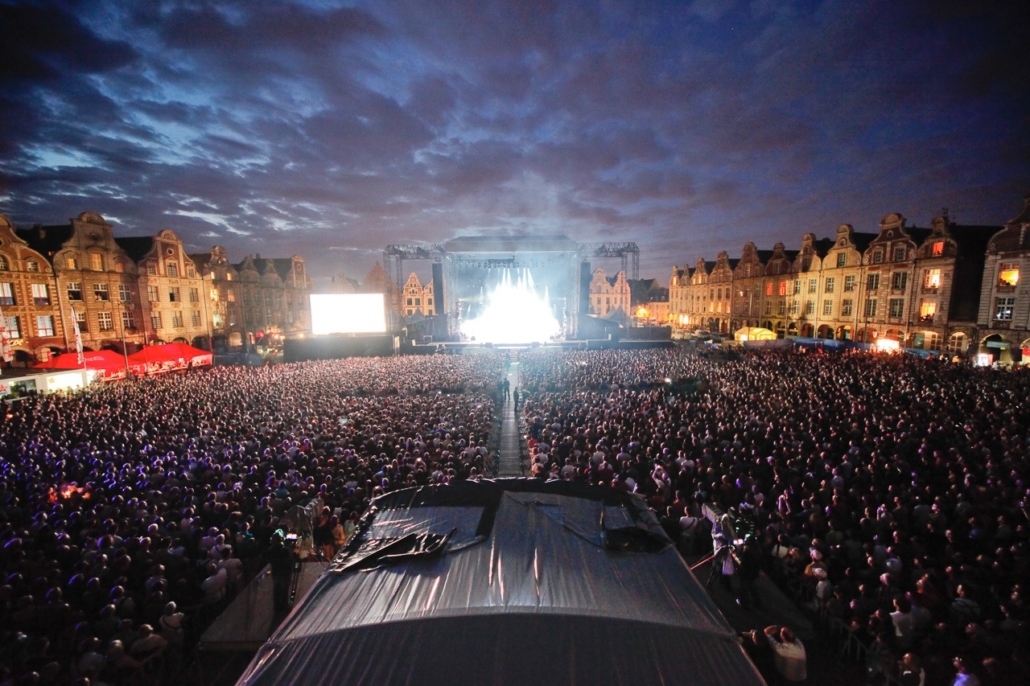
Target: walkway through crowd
x=510, y=459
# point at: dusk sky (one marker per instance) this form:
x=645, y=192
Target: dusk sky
x=331, y=130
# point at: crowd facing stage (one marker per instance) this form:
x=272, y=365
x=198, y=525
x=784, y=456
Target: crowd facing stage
x=895, y=487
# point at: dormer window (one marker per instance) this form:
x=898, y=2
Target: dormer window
x=877, y=256
x=1008, y=274
x=938, y=249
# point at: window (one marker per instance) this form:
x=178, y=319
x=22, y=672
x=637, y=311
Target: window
x=75, y=291
x=899, y=253
x=155, y=320
x=196, y=317
x=96, y=262
x=45, y=325
x=769, y=288
x=870, y=307
x=31, y=266
x=191, y=272
x=768, y=307
x=429, y=301
x=842, y=259
x=1008, y=274
x=228, y=276
x=781, y=308
x=783, y=288
x=124, y=294
x=797, y=286
x=877, y=256
x=104, y=320
x=1003, y=309
x=13, y=327
x=899, y=280
x=3, y=263
x=938, y=249
x=128, y=320
x=100, y=292
x=151, y=269
x=896, y=307
x=177, y=319
x=828, y=288
x=119, y=267
x=152, y=294
x=809, y=307
x=214, y=295
x=194, y=295
x=174, y=294
x=845, y=308
x=927, y=309
x=812, y=285
x=71, y=263
x=827, y=308
x=6, y=293
x=932, y=278
x=40, y=295
x=418, y=301
x=793, y=307
x=172, y=268
x=849, y=283
x=872, y=282
x=231, y=295
x=412, y=302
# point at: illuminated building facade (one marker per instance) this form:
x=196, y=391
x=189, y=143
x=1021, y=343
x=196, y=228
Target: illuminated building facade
x=610, y=298
x=33, y=320
x=170, y=291
x=93, y=279
x=917, y=286
x=1004, y=313
x=417, y=299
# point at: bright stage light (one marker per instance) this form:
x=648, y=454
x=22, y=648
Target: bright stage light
x=514, y=313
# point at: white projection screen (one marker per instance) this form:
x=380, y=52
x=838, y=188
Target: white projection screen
x=347, y=313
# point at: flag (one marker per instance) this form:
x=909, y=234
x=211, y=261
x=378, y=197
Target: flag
x=5, y=340
x=78, y=338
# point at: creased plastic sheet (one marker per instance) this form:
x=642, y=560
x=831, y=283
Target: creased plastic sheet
x=460, y=522
x=537, y=603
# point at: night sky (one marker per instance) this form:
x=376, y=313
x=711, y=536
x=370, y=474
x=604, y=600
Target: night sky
x=331, y=130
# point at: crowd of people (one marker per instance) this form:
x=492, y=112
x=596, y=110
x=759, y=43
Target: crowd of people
x=131, y=512
x=895, y=488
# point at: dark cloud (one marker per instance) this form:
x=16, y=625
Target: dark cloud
x=287, y=127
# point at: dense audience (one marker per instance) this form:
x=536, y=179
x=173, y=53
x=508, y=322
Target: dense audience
x=895, y=488
x=130, y=513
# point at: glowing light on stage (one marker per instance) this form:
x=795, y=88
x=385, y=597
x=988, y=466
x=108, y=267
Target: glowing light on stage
x=514, y=313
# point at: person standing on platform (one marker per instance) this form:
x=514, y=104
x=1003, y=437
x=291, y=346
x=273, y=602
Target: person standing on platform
x=515, y=398
x=280, y=558
x=506, y=387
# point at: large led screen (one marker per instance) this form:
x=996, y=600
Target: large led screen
x=347, y=313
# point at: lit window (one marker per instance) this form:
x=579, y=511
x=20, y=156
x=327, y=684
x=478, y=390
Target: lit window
x=100, y=293
x=783, y=288
x=13, y=327
x=119, y=267
x=71, y=263
x=45, y=325
x=932, y=278
x=1003, y=309
x=7, y=294
x=1008, y=274
x=31, y=266
x=40, y=295
x=769, y=288
x=938, y=249
x=927, y=309
x=96, y=262
x=231, y=295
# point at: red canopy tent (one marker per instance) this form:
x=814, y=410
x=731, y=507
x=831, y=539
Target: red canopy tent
x=155, y=359
x=109, y=362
